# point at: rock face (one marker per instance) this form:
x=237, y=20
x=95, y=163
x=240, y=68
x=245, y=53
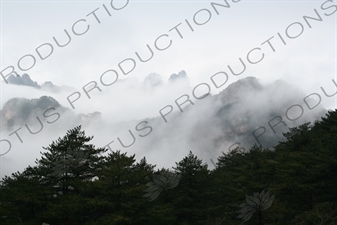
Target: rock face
x=246, y=105
x=18, y=111
x=181, y=76
x=245, y=112
x=233, y=116
x=23, y=80
x=238, y=90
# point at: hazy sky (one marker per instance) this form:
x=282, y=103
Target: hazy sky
x=307, y=61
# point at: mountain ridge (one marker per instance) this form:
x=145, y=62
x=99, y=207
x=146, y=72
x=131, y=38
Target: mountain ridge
x=216, y=122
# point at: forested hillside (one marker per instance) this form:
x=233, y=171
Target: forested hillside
x=76, y=183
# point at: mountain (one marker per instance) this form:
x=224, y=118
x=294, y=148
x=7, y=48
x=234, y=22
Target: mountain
x=181, y=76
x=243, y=114
x=246, y=106
x=243, y=109
x=25, y=80
x=153, y=80
x=19, y=111
x=49, y=86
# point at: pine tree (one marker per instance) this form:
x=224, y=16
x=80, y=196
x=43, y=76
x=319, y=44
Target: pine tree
x=22, y=198
x=120, y=188
x=69, y=166
x=70, y=160
x=191, y=194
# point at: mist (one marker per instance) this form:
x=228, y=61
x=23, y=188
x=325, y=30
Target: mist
x=181, y=99
x=163, y=120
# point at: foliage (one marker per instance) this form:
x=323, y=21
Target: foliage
x=76, y=183
x=257, y=202
x=161, y=182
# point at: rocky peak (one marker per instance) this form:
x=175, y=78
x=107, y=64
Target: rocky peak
x=238, y=89
x=24, y=80
x=153, y=80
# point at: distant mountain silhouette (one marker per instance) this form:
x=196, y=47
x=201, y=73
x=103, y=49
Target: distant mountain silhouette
x=181, y=76
x=153, y=80
x=217, y=122
x=246, y=105
x=25, y=80
x=19, y=111
x=212, y=124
